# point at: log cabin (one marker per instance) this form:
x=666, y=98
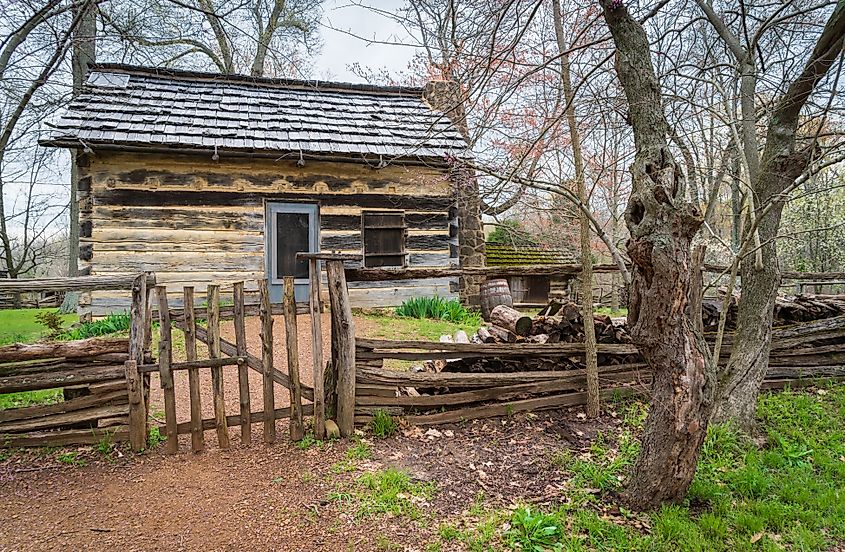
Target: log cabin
x=530, y=291
x=206, y=178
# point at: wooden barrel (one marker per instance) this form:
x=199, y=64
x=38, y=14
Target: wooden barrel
x=494, y=293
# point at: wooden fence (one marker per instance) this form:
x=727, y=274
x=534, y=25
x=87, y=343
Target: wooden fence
x=226, y=355
x=802, y=353
x=90, y=373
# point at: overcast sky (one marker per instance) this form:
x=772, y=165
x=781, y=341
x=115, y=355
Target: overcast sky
x=341, y=49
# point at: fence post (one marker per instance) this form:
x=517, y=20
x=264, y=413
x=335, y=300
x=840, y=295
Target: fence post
x=266, y=314
x=190, y=329
x=243, y=369
x=345, y=361
x=135, y=382
x=317, y=349
x=137, y=411
x=165, y=361
x=213, y=298
x=291, y=341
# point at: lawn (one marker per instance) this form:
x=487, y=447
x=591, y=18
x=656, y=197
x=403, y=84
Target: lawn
x=390, y=326
x=20, y=325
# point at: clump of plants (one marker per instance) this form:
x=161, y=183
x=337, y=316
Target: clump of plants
x=437, y=308
x=112, y=323
x=383, y=424
x=53, y=321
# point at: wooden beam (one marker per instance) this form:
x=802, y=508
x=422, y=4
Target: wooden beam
x=213, y=318
x=84, y=348
x=243, y=369
x=267, y=360
x=80, y=283
x=165, y=360
x=137, y=407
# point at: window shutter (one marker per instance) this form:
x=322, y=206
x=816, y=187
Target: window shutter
x=384, y=238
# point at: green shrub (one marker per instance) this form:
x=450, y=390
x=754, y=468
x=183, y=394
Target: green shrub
x=383, y=424
x=437, y=308
x=533, y=531
x=113, y=323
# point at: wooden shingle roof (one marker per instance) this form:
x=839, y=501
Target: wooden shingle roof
x=508, y=255
x=141, y=108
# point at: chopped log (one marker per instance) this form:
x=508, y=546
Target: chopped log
x=243, y=369
x=84, y=348
x=297, y=431
x=511, y=319
x=267, y=360
x=213, y=321
x=58, y=364
x=485, y=336
x=190, y=329
x=317, y=349
x=501, y=335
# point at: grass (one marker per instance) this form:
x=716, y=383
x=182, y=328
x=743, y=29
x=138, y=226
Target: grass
x=389, y=326
x=30, y=398
x=437, y=308
x=788, y=495
x=606, y=310
x=383, y=425
x=21, y=326
x=390, y=492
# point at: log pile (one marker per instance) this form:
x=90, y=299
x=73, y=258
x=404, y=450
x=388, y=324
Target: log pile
x=789, y=310
x=91, y=375
x=556, y=323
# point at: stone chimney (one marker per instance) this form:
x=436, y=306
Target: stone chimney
x=447, y=97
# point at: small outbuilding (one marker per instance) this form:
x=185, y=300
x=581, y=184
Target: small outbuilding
x=209, y=178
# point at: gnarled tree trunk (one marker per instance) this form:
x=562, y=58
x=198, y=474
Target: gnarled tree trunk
x=662, y=223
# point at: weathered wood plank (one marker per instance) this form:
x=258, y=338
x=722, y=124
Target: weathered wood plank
x=64, y=438
x=190, y=330
x=137, y=406
x=78, y=403
x=255, y=417
x=165, y=359
x=49, y=380
x=297, y=430
x=317, y=349
x=80, y=283
x=267, y=360
x=345, y=325
x=243, y=370
x=84, y=348
x=213, y=319
x=64, y=419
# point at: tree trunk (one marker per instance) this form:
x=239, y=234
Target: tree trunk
x=586, y=279
x=661, y=223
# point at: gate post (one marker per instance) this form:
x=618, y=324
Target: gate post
x=344, y=327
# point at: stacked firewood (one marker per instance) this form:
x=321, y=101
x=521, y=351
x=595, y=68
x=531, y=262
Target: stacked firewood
x=788, y=309
x=556, y=323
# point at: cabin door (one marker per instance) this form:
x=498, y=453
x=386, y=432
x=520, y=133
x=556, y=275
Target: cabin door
x=289, y=229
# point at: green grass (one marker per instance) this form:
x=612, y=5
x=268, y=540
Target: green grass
x=788, y=495
x=606, y=310
x=437, y=308
x=390, y=326
x=20, y=325
x=30, y=398
x=383, y=425
x=391, y=492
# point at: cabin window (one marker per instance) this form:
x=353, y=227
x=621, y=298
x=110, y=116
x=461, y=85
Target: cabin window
x=384, y=238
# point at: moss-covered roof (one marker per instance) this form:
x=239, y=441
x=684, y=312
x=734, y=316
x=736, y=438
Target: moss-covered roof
x=507, y=255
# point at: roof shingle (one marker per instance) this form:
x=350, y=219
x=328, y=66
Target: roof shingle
x=189, y=110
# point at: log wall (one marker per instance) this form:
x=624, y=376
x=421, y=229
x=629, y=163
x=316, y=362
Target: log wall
x=192, y=220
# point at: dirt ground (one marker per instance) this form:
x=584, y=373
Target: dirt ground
x=277, y=497
x=274, y=497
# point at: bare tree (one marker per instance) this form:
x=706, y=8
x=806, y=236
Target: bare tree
x=662, y=223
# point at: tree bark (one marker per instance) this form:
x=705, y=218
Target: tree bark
x=782, y=162
x=661, y=223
